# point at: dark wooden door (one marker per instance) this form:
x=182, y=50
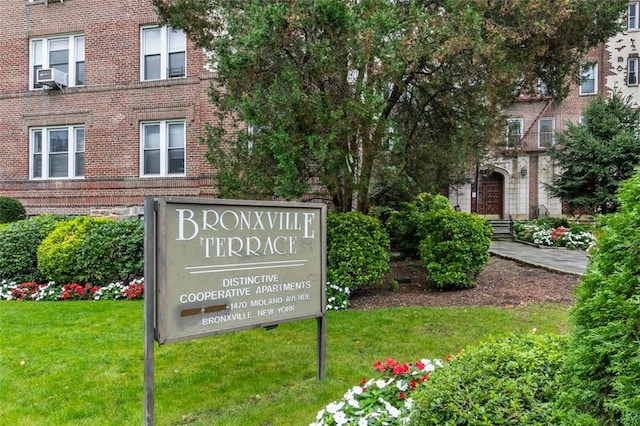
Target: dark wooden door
x=490, y=195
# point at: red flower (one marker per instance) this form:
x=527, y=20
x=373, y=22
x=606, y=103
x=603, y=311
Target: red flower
x=401, y=396
x=400, y=369
x=413, y=384
x=363, y=381
x=423, y=378
x=379, y=366
x=420, y=365
x=448, y=358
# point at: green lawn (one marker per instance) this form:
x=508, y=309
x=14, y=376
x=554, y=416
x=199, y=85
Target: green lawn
x=81, y=363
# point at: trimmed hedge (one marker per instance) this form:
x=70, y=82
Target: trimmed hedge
x=513, y=380
x=11, y=210
x=454, y=247
x=357, y=250
x=93, y=250
x=402, y=225
x=19, y=243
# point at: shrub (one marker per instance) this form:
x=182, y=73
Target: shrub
x=513, y=380
x=11, y=210
x=59, y=256
x=454, y=248
x=402, y=225
x=603, y=368
x=357, y=250
x=112, y=251
x=19, y=243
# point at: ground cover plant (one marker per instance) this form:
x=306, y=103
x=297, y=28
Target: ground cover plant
x=81, y=363
x=555, y=234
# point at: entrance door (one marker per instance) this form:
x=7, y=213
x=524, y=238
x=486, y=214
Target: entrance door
x=490, y=196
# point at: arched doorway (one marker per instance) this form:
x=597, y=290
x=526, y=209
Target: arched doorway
x=490, y=196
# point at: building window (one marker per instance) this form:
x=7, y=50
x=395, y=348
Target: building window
x=57, y=152
x=65, y=54
x=589, y=81
x=632, y=16
x=514, y=132
x=546, y=130
x=632, y=71
x=163, y=53
x=162, y=148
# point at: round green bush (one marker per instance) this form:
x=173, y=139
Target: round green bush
x=603, y=368
x=11, y=210
x=513, y=380
x=454, y=248
x=402, y=225
x=59, y=253
x=19, y=243
x=112, y=251
x=357, y=250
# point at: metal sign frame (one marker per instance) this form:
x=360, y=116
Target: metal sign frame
x=171, y=317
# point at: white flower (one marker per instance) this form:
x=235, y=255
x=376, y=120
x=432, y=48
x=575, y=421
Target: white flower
x=334, y=407
x=402, y=385
x=340, y=418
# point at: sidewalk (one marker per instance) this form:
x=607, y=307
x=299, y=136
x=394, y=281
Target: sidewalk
x=555, y=259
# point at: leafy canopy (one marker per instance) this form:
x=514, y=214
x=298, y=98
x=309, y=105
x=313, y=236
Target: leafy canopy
x=364, y=100
x=595, y=156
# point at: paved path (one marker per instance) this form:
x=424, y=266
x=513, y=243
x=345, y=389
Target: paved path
x=560, y=260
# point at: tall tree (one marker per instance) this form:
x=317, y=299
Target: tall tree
x=351, y=97
x=595, y=156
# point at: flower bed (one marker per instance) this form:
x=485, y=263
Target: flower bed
x=547, y=236
x=51, y=291
x=380, y=401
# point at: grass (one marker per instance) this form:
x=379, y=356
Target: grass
x=81, y=363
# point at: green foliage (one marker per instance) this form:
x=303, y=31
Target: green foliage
x=604, y=364
x=454, y=248
x=362, y=98
x=112, y=251
x=511, y=380
x=19, y=243
x=59, y=256
x=357, y=250
x=402, y=225
x=11, y=210
x=597, y=155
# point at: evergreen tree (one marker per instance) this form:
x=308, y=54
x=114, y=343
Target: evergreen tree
x=359, y=97
x=595, y=156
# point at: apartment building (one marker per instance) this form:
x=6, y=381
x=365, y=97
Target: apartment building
x=511, y=181
x=101, y=107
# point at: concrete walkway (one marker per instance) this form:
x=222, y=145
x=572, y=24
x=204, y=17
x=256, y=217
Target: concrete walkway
x=555, y=259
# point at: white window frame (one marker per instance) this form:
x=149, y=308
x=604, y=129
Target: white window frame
x=39, y=57
x=510, y=142
x=589, y=72
x=74, y=152
x=632, y=16
x=543, y=136
x=164, y=49
x=632, y=71
x=163, y=147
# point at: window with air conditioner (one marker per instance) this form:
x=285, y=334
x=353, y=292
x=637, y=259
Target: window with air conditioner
x=514, y=132
x=589, y=80
x=162, y=148
x=546, y=132
x=163, y=53
x=56, y=152
x=632, y=71
x=63, y=56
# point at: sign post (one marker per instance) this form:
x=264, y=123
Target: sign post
x=217, y=266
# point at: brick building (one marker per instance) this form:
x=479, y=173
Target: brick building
x=100, y=106
x=510, y=183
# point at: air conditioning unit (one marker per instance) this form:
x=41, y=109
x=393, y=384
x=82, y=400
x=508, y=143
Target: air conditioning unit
x=53, y=1
x=53, y=78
